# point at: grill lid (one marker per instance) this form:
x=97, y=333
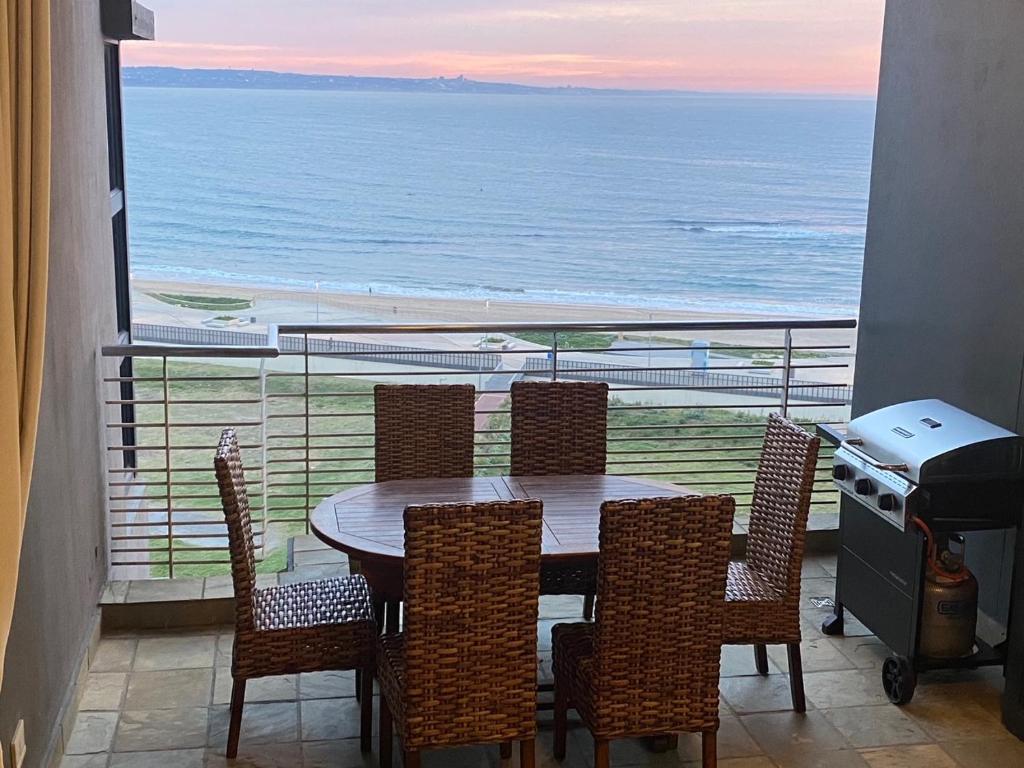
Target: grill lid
x=937, y=442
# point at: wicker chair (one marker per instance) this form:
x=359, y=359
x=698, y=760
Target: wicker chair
x=763, y=591
x=305, y=627
x=561, y=428
x=464, y=668
x=423, y=430
x=648, y=665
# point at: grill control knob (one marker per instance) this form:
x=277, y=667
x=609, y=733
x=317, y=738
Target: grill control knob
x=887, y=502
x=864, y=487
x=841, y=472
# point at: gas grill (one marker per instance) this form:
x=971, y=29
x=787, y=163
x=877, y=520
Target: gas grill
x=929, y=460
x=920, y=474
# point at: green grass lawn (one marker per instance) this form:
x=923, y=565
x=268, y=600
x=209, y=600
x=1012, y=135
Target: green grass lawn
x=198, y=301
x=713, y=450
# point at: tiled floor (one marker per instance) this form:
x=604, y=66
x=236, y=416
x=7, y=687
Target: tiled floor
x=159, y=699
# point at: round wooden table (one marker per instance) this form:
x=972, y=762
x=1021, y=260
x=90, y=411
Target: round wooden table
x=367, y=522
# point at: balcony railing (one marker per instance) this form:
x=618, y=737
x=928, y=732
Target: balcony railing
x=688, y=402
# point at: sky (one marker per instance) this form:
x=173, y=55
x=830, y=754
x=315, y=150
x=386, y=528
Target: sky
x=803, y=46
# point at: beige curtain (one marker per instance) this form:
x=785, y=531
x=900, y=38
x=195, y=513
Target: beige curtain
x=24, y=251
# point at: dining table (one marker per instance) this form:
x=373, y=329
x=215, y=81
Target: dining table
x=367, y=522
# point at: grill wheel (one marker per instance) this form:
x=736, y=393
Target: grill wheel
x=899, y=679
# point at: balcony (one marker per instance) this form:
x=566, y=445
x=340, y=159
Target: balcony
x=688, y=403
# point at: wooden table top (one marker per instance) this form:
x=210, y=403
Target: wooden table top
x=367, y=522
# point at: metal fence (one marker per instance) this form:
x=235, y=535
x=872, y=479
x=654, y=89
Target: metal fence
x=688, y=403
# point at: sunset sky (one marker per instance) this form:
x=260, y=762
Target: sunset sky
x=807, y=46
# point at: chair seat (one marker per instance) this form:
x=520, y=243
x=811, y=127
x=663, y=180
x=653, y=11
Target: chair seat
x=312, y=604
x=756, y=612
x=744, y=583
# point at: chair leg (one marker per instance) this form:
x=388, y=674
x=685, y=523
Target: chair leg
x=411, y=758
x=709, y=749
x=561, y=721
x=761, y=658
x=796, y=677
x=506, y=750
x=601, y=753
x=527, y=754
x=365, y=709
x=235, y=725
x=588, y=607
x=385, y=732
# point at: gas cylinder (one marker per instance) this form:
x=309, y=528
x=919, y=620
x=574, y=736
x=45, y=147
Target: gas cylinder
x=949, y=607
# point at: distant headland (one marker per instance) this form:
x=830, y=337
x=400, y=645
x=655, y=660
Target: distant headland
x=175, y=77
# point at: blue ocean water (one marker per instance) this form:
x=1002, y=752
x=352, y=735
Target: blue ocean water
x=702, y=202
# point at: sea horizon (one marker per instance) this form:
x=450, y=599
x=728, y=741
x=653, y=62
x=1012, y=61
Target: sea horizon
x=753, y=205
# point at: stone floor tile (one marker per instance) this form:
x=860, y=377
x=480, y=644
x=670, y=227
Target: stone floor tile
x=313, y=573
x=262, y=723
x=811, y=589
x=814, y=567
x=319, y=557
x=92, y=732
x=544, y=631
x=882, y=725
x=340, y=753
x=817, y=654
x=164, y=590
x=85, y=761
x=733, y=741
x=745, y=762
x=103, y=691
x=738, y=660
x=863, y=652
x=257, y=756
x=844, y=688
x=955, y=720
x=327, y=685
x=919, y=756
x=161, y=729
x=993, y=753
x=175, y=652
x=840, y=758
x=175, y=758
x=747, y=695
x=790, y=736
x=169, y=689
x=328, y=719
x=276, y=688
x=114, y=655
x=225, y=643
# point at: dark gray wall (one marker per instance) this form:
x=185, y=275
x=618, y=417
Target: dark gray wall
x=941, y=304
x=944, y=262
x=63, y=556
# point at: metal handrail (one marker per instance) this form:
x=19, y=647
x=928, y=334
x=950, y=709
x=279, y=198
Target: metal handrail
x=612, y=326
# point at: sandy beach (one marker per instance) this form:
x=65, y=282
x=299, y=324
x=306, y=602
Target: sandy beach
x=275, y=305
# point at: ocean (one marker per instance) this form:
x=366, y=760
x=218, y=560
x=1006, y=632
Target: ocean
x=720, y=203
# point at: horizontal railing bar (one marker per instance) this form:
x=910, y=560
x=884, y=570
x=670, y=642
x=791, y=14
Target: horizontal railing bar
x=182, y=350
x=628, y=325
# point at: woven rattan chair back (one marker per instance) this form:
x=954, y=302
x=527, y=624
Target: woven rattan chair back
x=559, y=428
x=780, y=505
x=234, y=498
x=423, y=430
x=660, y=614
x=471, y=591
